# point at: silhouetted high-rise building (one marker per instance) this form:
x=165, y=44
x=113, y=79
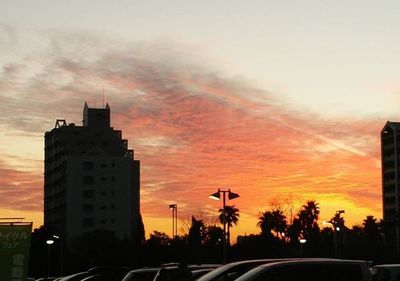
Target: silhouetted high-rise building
x=390, y=155
x=91, y=179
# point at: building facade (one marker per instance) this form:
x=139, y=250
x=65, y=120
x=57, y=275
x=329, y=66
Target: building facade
x=91, y=179
x=390, y=157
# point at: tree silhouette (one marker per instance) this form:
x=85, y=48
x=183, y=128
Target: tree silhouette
x=213, y=235
x=372, y=230
x=213, y=243
x=195, y=238
x=231, y=217
x=308, y=217
x=337, y=221
x=265, y=222
x=272, y=221
x=159, y=238
x=294, y=231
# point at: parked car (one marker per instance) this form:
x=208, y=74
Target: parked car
x=141, y=274
x=108, y=273
x=76, y=277
x=96, y=277
x=386, y=272
x=310, y=270
x=180, y=272
x=197, y=273
x=233, y=270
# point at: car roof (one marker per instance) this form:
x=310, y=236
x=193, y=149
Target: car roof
x=394, y=265
x=315, y=260
x=229, y=266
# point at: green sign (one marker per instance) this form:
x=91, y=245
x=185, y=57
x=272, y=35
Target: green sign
x=15, y=241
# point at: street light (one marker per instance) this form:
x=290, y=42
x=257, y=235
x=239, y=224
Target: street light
x=49, y=242
x=217, y=196
x=302, y=241
x=337, y=223
x=61, y=254
x=174, y=208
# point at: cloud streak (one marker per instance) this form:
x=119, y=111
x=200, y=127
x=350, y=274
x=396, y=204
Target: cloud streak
x=193, y=129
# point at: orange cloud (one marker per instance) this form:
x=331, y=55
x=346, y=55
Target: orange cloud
x=20, y=190
x=195, y=131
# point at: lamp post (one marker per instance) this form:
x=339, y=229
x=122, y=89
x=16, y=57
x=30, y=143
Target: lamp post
x=174, y=208
x=49, y=242
x=61, y=253
x=302, y=241
x=337, y=223
x=217, y=196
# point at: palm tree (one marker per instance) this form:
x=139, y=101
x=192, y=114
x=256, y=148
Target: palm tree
x=308, y=217
x=265, y=222
x=371, y=228
x=272, y=221
x=338, y=221
x=309, y=214
x=230, y=217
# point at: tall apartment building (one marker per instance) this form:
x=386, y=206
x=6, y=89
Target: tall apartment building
x=91, y=179
x=390, y=156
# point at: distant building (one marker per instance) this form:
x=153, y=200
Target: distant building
x=390, y=156
x=91, y=179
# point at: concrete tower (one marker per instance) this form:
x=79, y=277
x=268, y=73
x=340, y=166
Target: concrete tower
x=91, y=179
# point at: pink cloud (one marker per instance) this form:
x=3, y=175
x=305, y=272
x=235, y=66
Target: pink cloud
x=20, y=190
x=194, y=131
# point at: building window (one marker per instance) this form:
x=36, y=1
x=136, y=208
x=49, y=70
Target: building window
x=103, y=165
x=88, y=194
x=87, y=180
x=87, y=222
x=87, y=165
x=88, y=208
x=103, y=179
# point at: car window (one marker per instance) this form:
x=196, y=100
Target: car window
x=384, y=274
x=141, y=276
x=398, y=276
x=312, y=272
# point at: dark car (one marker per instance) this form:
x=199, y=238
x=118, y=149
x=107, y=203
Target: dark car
x=233, y=270
x=141, y=274
x=310, y=270
x=182, y=272
x=109, y=273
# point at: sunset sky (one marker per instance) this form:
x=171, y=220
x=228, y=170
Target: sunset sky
x=280, y=101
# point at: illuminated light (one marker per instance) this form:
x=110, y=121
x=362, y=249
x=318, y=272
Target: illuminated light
x=215, y=196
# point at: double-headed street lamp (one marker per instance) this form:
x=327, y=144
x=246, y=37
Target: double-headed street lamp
x=217, y=196
x=174, y=208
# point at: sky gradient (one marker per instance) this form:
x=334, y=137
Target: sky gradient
x=280, y=102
